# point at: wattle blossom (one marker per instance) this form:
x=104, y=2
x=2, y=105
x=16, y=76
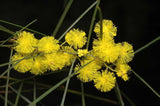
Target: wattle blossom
x=76, y=38
x=104, y=81
x=48, y=45
x=26, y=43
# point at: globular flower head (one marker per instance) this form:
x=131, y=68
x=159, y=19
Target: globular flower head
x=58, y=60
x=107, y=51
x=25, y=43
x=104, y=81
x=126, y=52
x=21, y=65
x=48, y=45
x=109, y=30
x=122, y=70
x=82, y=52
x=76, y=38
x=88, y=72
x=38, y=66
x=67, y=55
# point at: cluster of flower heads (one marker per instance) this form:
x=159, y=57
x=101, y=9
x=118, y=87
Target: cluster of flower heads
x=39, y=56
x=107, y=58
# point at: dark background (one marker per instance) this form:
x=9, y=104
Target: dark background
x=137, y=22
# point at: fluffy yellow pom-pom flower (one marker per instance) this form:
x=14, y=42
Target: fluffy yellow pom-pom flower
x=107, y=51
x=122, y=70
x=126, y=52
x=26, y=43
x=109, y=30
x=82, y=52
x=76, y=38
x=58, y=60
x=104, y=81
x=48, y=44
x=22, y=65
x=38, y=66
x=88, y=72
x=67, y=55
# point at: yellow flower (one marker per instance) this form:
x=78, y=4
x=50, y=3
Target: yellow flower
x=122, y=70
x=22, y=66
x=67, y=55
x=58, y=60
x=82, y=52
x=109, y=30
x=104, y=81
x=76, y=38
x=88, y=72
x=106, y=51
x=38, y=66
x=26, y=42
x=48, y=44
x=126, y=52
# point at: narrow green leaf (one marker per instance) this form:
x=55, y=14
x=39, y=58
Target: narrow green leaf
x=69, y=90
x=34, y=91
x=22, y=27
x=6, y=40
x=56, y=86
x=147, y=45
x=100, y=18
x=78, y=19
x=18, y=94
x=27, y=25
x=8, y=101
x=23, y=97
x=62, y=17
x=2, y=28
x=67, y=84
x=17, y=61
x=92, y=23
x=8, y=75
x=26, y=57
x=118, y=93
x=141, y=79
x=83, y=95
x=128, y=99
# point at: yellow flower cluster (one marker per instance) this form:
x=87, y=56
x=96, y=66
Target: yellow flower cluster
x=110, y=59
x=38, y=56
x=108, y=55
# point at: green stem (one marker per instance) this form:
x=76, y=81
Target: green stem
x=100, y=18
x=119, y=96
x=82, y=93
x=10, y=67
x=26, y=57
x=27, y=25
x=18, y=94
x=128, y=99
x=34, y=91
x=22, y=27
x=4, y=29
x=23, y=97
x=141, y=79
x=67, y=83
x=9, y=102
x=8, y=75
x=6, y=45
x=77, y=20
x=57, y=85
x=92, y=22
x=147, y=45
x=62, y=17
x=61, y=88
x=6, y=40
